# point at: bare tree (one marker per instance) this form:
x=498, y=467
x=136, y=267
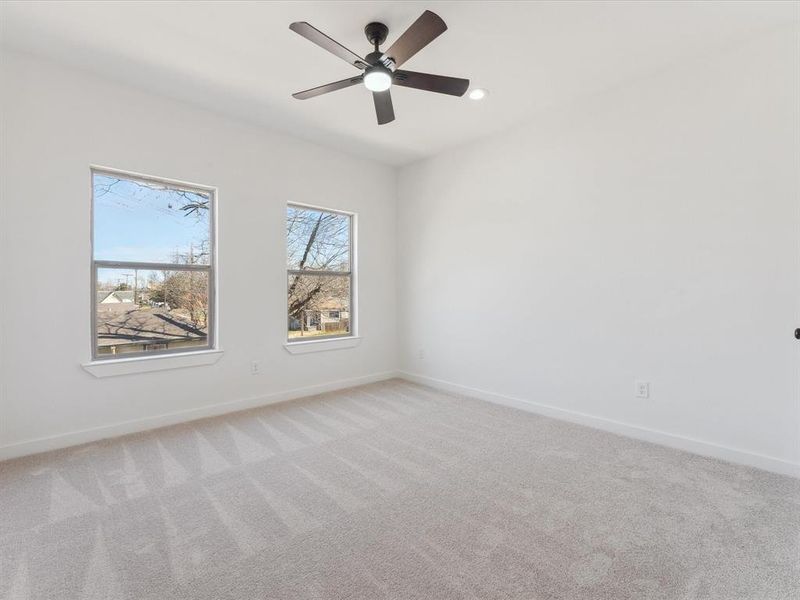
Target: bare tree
x=317, y=241
x=186, y=291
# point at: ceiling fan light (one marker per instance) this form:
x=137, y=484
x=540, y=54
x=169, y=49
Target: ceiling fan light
x=377, y=80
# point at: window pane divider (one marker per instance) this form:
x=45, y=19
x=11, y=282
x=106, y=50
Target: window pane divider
x=319, y=273
x=111, y=264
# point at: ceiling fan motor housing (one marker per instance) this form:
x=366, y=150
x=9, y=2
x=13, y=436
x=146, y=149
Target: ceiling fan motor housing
x=376, y=33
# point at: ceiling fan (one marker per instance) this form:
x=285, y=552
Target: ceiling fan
x=381, y=68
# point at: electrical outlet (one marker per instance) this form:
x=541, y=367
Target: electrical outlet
x=255, y=367
x=421, y=354
x=642, y=389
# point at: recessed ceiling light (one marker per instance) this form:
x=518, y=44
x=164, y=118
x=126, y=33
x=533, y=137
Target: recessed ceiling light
x=478, y=94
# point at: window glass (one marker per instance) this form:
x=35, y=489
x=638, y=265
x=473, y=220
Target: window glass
x=147, y=221
x=150, y=310
x=319, y=268
x=152, y=265
x=317, y=240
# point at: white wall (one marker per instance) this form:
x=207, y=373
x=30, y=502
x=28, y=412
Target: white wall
x=648, y=233
x=56, y=123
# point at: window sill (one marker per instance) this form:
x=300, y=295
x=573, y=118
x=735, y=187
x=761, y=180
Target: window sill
x=145, y=364
x=322, y=345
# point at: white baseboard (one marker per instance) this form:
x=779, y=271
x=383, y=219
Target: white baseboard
x=743, y=457
x=94, y=434
x=75, y=438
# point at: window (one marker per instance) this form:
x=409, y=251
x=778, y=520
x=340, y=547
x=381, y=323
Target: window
x=320, y=273
x=152, y=266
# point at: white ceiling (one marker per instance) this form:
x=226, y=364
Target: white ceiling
x=240, y=58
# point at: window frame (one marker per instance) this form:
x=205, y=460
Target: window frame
x=210, y=268
x=351, y=273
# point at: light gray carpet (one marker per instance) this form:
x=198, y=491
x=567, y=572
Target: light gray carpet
x=392, y=490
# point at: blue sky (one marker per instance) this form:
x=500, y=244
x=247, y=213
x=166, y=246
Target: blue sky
x=135, y=222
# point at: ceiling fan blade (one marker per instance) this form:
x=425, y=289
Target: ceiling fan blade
x=383, y=107
x=422, y=32
x=323, y=41
x=454, y=86
x=328, y=87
